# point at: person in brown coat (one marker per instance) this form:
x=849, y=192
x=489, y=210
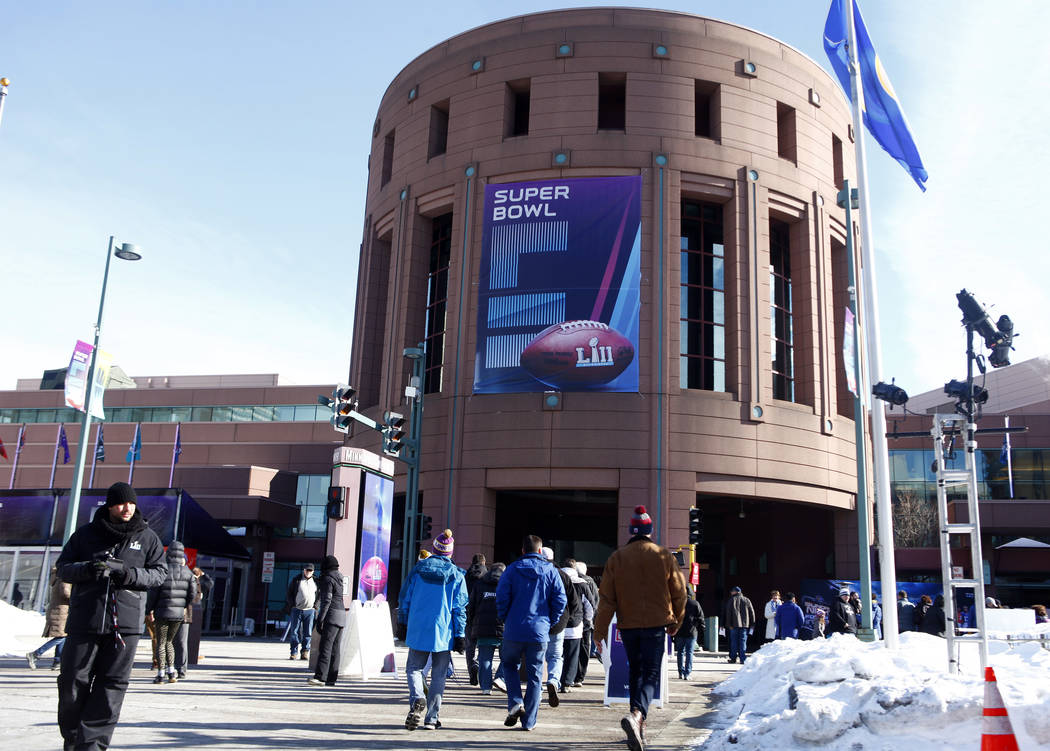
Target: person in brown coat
x=55, y=628
x=643, y=586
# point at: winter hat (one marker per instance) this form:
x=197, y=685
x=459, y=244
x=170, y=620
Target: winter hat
x=581, y=568
x=424, y=554
x=330, y=563
x=176, y=549
x=843, y=591
x=120, y=492
x=641, y=522
x=444, y=543
x=308, y=567
x=547, y=553
x=734, y=590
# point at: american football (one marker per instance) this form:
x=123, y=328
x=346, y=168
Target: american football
x=577, y=353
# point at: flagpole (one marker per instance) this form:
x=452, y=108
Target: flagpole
x=174, y=453
x=54, y=459
x=1009, y=458
x=18, y=452
x=869, y=291
x=94, y=457
x=134, y=451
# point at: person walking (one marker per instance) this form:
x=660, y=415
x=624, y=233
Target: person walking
x=55, y=622
x=905, y=612
x=876, y=615
x=182, y=639
x=789, y=619
x=483, y=623
x=771, y=614
x=739, y=618
x=843, y=617
x=587, y=647
x=645, y=590
x=331, y=618
x=111, y=562
x=573, y=644
x=301, y=601
x=167, y=605
x=472, y=576
x=530, y=598
x=432, y=621
x=692, y=628
x=933, y=620
x=555, y=656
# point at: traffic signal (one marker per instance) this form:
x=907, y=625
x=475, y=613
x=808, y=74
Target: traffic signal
x=696, y=526
x=336, y=508
x=426, y=527
x=345, y=402
x=393, y=433
x=679, y=556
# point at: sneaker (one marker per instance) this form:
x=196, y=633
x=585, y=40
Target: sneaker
x=172, y=678
x=415, y=714
x=31, y=659
x=514, y=715
x=499, y=685
x=632, y=728
x=432, y=725
x=56, y=665
x=182, y=675
x=304, y=655
x=314, y=681
x=486, y=691
x=552, y=694
x=159, y=679
x=731, y=660
x=577, y=684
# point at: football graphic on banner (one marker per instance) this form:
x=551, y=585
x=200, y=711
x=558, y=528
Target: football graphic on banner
x=577, y=353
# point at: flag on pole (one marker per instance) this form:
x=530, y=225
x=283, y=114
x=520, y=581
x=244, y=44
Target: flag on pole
x=1004, y=454
x=135, y=450
x=882, y=111
x=21, y=440
x=178, y=443
x=100, y=446
x=3, y=451
x=63, y=443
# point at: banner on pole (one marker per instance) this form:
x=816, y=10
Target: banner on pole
x=849, y=353
x=76, y=379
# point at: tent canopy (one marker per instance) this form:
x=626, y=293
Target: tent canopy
x=1023, y=542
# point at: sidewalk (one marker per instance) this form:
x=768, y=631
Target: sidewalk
x=247, y=694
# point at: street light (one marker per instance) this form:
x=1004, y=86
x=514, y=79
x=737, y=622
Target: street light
x=127, y=252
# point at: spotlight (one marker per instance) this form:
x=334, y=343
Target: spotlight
x=957, y=390
x=889, y=392
x=998, y=337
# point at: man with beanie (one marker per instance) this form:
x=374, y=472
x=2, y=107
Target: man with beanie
x=739, y=618
x=477, y=570
x=590, y=590
x=643, y=587
x=843, y=618
x=331, y=618
x=301, y=601
x=570, y=616
x=530, y=599
x=111, y=562
x=432, y=621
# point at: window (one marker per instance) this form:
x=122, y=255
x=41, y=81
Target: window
x=836, y=159
x=517, y=102
x=437, y=298
x=705, y=109
x=782, y=344
x=373, y=338
x=311, y=495
x=612, y=101
x=438, y=141
x=702, y=308
x=840, y=300
x=787, y=147
x=388, y=159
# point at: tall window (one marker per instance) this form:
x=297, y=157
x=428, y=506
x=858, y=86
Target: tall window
x=836, y=160
x=438, y=141
x=787, y=135
x=612, y=101
x=388, y=159
x=782, y=344
x=705, y=109
x=518, y=101
x=702, y=313
x=437, y=299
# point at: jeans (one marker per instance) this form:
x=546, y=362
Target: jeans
x=513, y=653
x=645, y=650
x=485, y=654
x=417, y=660
x=554, y=658
x=300, y=628
x=57, y=642
x=685, y=649
x=738, y=644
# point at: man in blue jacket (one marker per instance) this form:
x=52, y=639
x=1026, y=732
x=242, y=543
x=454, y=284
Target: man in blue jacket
x=431, y=620
x=789, y=618
x=530, y=597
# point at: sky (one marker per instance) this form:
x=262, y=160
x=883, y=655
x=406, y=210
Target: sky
x=230, y=142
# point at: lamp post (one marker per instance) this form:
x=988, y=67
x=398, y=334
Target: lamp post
x=127, y=252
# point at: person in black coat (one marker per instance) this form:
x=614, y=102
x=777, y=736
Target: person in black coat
x=167, y=603
x=472, y=576
x=925, y=603
x=111, y=562
x=483, y=624
x=331, y=618
x=843, y=618
x=685, y=638
x=933, y=622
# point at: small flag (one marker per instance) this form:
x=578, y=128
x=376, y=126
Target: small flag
x=21, y=439
x=1005, y=453
x=63, y=443
x=100, y=446
x=135, y=450
x=882, y=111
x=178, y=444
x=3, y=451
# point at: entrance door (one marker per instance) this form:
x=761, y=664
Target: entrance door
x=574, y=523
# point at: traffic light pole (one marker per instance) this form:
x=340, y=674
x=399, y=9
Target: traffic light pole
x=410, y=456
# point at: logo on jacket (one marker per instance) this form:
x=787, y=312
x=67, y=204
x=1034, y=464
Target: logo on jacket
x=135, y=545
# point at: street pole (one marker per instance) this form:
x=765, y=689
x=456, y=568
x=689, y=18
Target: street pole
x=415, y=430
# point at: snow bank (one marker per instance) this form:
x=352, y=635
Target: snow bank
x=847, y=695
x=17, y=628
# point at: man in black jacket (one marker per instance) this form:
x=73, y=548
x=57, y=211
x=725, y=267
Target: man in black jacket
x=843, y=618
x=111, y=563
x=331, y=618
x=556, y=645
x=478, y=569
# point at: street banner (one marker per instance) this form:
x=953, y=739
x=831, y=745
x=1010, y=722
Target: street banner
x=377, y=516
x=559, y=286
x=617, y=672
x=849, y=354
x=76, y=379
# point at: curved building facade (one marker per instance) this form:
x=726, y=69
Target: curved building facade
x=667, y=178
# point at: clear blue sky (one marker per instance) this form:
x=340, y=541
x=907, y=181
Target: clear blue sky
x=230, y=141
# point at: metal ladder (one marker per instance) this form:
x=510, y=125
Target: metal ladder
x=949, y=478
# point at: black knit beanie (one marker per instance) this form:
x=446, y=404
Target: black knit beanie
x=120, y=492
x=330, y=563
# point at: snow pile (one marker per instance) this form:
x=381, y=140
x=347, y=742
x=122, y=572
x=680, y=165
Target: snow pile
x=847, y=695
x=15, y=623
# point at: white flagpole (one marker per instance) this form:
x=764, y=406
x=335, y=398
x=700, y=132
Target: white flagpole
x=869, y=293
x=4, y=83
x=1009, y=457
x=18, y=452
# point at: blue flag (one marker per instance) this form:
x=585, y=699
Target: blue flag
x=882, y=112
x=100, y=447
x=135, y=450
x=1004, y=454
x=63, y=443
x=178, y=445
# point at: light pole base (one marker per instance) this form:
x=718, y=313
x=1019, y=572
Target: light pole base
x=866, y=634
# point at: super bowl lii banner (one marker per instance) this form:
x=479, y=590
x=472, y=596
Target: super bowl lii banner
x=558, y=294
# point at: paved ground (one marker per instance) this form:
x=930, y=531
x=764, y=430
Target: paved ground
x=246, y=694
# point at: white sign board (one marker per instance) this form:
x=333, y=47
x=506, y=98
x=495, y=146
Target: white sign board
x=368, y=641
x=268, y=566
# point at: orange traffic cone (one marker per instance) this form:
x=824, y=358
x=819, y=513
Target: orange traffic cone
x=997, y=733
